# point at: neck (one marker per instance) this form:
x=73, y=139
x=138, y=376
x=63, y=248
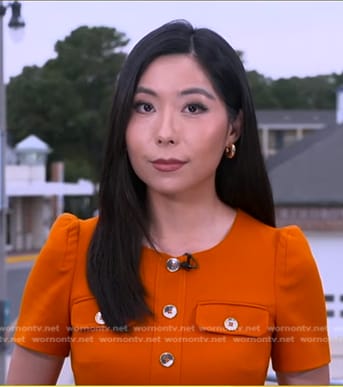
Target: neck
x=188, y=224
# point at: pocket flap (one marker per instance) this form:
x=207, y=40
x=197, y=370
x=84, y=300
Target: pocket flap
x=86, y=316
x=232, y=319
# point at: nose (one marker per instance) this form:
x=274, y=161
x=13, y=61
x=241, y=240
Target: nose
x=164, y=141
x=167, y=133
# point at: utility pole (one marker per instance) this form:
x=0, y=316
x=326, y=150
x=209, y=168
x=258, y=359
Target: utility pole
x=15, y=22
x=3, y=210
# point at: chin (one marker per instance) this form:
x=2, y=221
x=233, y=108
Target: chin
x=168, y=191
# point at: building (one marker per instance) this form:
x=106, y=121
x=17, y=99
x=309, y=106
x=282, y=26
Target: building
x=307, y=182
x=34, y=202
x=279, y=129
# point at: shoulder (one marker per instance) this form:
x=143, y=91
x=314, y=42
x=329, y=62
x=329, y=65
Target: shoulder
x=68, y=221
x=68, y=224
x=294, y=247
x=247, y=228
x=67, y=234
x=251, y=223
x=288, y=234
x=287, y=246
x=294, y=261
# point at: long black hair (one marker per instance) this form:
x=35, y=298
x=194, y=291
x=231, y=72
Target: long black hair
x=114, y=255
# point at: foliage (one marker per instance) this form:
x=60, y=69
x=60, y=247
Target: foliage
x=295, y=93
x=66, y=102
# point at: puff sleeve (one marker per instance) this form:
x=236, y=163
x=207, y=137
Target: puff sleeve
x=300, y=339
x=44, y=315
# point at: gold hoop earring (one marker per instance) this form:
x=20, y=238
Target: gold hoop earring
x=230, y=151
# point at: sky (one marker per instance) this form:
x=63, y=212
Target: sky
x=278, y=38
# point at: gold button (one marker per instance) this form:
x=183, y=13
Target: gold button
x=167, y=359
x=231, y=324
x=98, y=318
x=173, y=264
x=169, y=311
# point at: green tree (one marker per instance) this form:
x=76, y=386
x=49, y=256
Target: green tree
x=66, y=102
x=305, y=93
x=262, y=91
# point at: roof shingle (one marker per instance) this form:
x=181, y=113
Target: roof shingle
x=310, y=172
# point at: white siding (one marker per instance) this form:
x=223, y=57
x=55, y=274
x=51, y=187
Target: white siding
x=327, y=248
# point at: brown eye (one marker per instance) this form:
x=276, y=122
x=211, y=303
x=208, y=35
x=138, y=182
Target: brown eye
x=143, y=107
x=192, y=108
x=195, y=108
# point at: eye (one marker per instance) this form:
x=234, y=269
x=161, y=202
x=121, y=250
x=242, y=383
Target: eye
x=143, y=107
x=195, y=108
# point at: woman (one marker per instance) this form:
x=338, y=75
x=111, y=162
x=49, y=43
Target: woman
x=183, y=278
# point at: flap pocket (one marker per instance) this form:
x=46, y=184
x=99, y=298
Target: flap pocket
x=232, y=319
x=85, y=315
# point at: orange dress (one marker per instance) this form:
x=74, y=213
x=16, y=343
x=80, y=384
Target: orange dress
x=256, y=295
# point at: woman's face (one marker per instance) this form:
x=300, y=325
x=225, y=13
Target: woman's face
x=178, y=129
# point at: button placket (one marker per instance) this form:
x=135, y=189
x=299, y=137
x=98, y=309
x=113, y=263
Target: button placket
x=164, y=352
x=169, y=311
x=167, y=359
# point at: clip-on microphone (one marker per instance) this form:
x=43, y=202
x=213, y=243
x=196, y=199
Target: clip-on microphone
x=190, y=262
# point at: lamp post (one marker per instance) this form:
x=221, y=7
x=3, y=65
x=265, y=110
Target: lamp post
x=15, y=22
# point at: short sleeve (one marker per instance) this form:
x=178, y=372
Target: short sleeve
x=300, y=339
x=44, y=316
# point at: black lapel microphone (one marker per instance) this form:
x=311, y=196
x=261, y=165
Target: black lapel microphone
x=189, y=263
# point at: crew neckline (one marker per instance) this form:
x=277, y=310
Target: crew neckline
x=227, y=236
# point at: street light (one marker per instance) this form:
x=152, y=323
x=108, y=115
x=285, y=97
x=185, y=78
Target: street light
x=16, y=22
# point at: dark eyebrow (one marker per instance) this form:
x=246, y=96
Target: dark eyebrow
x=198, y=90
x=141, y=89
x=192, y=90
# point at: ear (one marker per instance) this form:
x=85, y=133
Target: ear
x=235, y=129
